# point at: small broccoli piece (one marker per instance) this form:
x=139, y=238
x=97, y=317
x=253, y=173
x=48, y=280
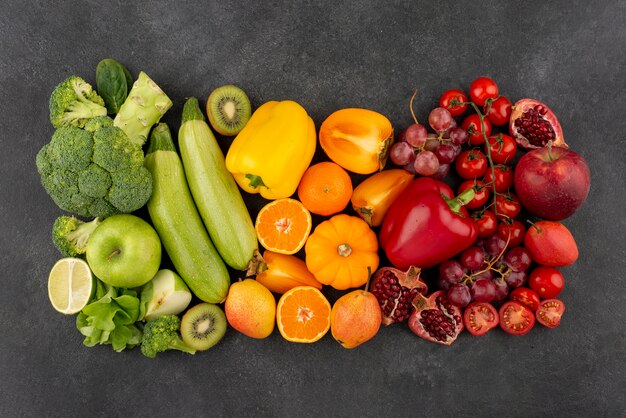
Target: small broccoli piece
x=161, y=334
x=70, y=235
x=131, y=189
x=73, y=102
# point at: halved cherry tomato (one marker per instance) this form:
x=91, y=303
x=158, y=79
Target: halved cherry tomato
x=481, y=89
x=503, y=177
x=507, y=206
x=481, y=193
x=475, y=130
x=502, y=148
x=455, y=94
x=500, y=110
x=480, y=317
x=486, y=222
x=550, y=312
x=526, y=297
x=471, y=164
x=516, y=319
x=513, y=232
x=547, y=281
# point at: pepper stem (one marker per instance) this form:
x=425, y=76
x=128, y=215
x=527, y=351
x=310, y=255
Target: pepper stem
x=456, y=203
x=255, y=181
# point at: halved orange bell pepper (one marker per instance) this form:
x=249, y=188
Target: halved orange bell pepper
x=374, y=195
x=357, y=139
x=281, y=272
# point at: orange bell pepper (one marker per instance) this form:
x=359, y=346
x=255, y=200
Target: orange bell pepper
x=357, y=139
x=374, y=195
x=281, y=272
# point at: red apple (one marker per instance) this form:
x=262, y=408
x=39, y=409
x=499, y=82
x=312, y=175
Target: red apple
x=552, y=182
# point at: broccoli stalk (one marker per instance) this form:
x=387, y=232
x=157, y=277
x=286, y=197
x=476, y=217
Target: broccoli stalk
x=161, y=334
x=73, y=102
x=143, y=107
x=70, y=235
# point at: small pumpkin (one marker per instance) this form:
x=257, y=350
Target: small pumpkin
x=342, y=252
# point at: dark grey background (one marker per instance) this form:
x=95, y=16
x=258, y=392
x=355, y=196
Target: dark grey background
x=325, y=55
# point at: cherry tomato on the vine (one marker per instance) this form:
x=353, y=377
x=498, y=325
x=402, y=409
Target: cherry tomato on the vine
x=503, y=180
x=526, y=297
x=513, y=232
x=481, y=193
x=455, y=94
x=471, y=164
x=499, y=112
x=486, y=222
x=547, y=281
x=481, y=89
x=516, y=319
x=550, y=312
x=502, y=148
x=507, y=206
x=475, y=129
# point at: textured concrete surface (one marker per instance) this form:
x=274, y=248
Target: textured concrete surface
x=325, y=55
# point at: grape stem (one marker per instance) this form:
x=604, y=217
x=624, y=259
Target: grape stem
x=411, y=107
x=470, y=277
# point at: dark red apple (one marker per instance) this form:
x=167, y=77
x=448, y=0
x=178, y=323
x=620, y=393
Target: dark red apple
x=552, y=182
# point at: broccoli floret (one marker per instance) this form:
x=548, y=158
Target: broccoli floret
x=161, y=334
x=73, y=102
x=97, y=123
x=70, y=235
x=94, y=174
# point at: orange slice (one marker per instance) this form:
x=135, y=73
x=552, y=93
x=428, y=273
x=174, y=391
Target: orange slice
x=303, y=315
x=283, y=226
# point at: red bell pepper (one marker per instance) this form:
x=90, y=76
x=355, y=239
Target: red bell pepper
x=427, y=225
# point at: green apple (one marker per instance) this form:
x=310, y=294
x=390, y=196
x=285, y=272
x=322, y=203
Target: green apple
x=165, y=294
x=124, y=251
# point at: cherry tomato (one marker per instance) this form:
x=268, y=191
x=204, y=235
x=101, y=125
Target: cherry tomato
x=486, y=222
x=471, y=164
x=502, y=148
x=513, y=231
x=548, y=282
x=474, y=129
x=499, y=112
x=450, y=95
x=481, y=193
x=507, y=206
x=481, y=89
x=526, y=297
x=480, y=317
x=516, y=319
x=550, y=312
x=504, y=177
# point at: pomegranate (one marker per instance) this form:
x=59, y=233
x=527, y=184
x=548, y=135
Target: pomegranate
x=533, y=125
x=396, y=290
x=436, y=319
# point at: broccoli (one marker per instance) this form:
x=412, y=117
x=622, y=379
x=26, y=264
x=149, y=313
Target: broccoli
x=95, y=171
x=161, y=334
x=73, y=102
x=70, y=235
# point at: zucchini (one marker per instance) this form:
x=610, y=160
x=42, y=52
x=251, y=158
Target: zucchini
x=215, y=192
x=178, y=223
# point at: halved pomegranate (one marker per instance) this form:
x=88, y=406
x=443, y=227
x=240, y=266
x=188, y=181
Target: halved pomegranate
x=533, y=125
x=395, y=291
x=436, y=319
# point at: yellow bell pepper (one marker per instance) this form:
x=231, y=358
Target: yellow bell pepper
x=272, y=152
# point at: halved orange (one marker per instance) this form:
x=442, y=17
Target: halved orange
x=303, y=315
x=283, y=226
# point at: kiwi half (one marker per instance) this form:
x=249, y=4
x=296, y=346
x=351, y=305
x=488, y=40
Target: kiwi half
x=228, y=109
x=203, y=326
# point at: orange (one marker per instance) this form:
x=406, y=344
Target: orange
x=303, y=315
x=325, y=189
x=283, y=226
